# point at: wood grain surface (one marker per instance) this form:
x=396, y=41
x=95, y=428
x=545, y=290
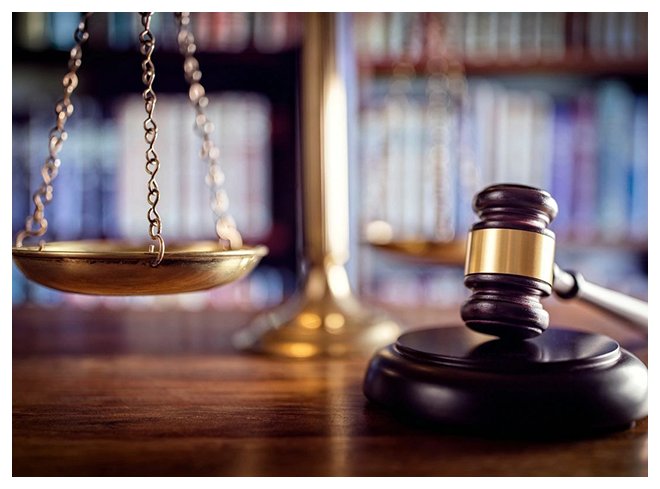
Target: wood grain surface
x=105, y=392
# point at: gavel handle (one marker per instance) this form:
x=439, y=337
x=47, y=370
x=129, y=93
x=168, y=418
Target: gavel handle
x=569, y=285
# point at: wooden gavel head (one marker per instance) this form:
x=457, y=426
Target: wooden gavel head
x=509, y=262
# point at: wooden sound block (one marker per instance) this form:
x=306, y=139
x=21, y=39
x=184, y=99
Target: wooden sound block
x=561, y=382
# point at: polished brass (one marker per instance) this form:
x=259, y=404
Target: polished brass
x=451, y=253
x=63, y=110
x=323, y=317
x=119, y=268
x=123, y=268
x=511, y=251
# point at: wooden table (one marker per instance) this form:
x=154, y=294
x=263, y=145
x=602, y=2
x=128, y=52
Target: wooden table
x=106, y=392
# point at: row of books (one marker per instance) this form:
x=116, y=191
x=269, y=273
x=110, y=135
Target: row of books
x=214, y=31
x=505, y=36
x=101, y=188
x=589, y=150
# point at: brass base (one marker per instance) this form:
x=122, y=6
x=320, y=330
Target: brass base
x=323, y=319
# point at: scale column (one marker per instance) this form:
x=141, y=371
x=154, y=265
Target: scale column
x=323, y=317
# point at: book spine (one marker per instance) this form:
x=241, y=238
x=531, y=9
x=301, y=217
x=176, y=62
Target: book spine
x=63, y=25
x=615, y=121
x=586, y=171
x=563, y=165
x=640, y=188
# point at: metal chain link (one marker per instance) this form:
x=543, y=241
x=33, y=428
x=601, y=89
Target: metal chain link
x=147, y=44
x=64, y=108
x=225, y=226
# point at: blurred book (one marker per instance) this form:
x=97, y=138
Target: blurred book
x=590, y=151
x=118, y=31
x=490, y=37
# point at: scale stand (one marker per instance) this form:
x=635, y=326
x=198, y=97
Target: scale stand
x=324, y=317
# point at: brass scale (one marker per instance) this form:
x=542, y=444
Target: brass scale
x=123, y=268
x=127, y=268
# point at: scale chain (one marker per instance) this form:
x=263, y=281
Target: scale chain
x=64, y=108
x=225, y=226
x=147, y=45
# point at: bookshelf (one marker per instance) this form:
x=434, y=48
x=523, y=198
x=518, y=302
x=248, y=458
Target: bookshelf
x=571, y=64
x=546, y=96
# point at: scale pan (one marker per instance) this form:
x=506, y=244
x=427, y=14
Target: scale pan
x=431, y=252
x=124, y=268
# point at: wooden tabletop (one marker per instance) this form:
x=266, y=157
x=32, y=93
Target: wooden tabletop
x=105, y=392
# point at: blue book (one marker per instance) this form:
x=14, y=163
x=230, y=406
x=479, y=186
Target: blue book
x=640, y=178
x=63, y=26
x=562, y=166
x=585, y=221
x=18, y=286
x=615, y=105
x=122, y=30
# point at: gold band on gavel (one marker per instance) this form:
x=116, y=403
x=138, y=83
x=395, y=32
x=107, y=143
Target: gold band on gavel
x=510, y=251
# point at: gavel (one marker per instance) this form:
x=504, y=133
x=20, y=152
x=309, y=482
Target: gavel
x=510, y=266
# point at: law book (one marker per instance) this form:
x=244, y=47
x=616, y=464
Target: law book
x=376, y=29
x=640, y=177
x=294, y=23
x=530, y=36
x=485, y=42
x=204, y=30
x=542, y=140
x=563, y=178
x=627, y=47
x=394, y=160
x=469, y=181
x=396, y=41
x=169, y=177
x=596, y=34
x=411, y=182
x=615, y=116
x=518, y=132
x=33, y=30
x=258, y=172
x=612, y=34
x=122, y=31
x=372, y=140
x=194, y=193
x=63, y=25
x=586, y=170
x=470, y=39
x=576, y=32
x=508, y=35
x=131, y=175
x=414, y=37
x=483, y=112
x=108, y=173
x=271, y=31
x=91, y=178
x=239, y=25
x=501, y=140
x=641, y=33
x=20, y=177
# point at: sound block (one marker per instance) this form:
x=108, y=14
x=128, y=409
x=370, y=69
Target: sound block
x=561, y=382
